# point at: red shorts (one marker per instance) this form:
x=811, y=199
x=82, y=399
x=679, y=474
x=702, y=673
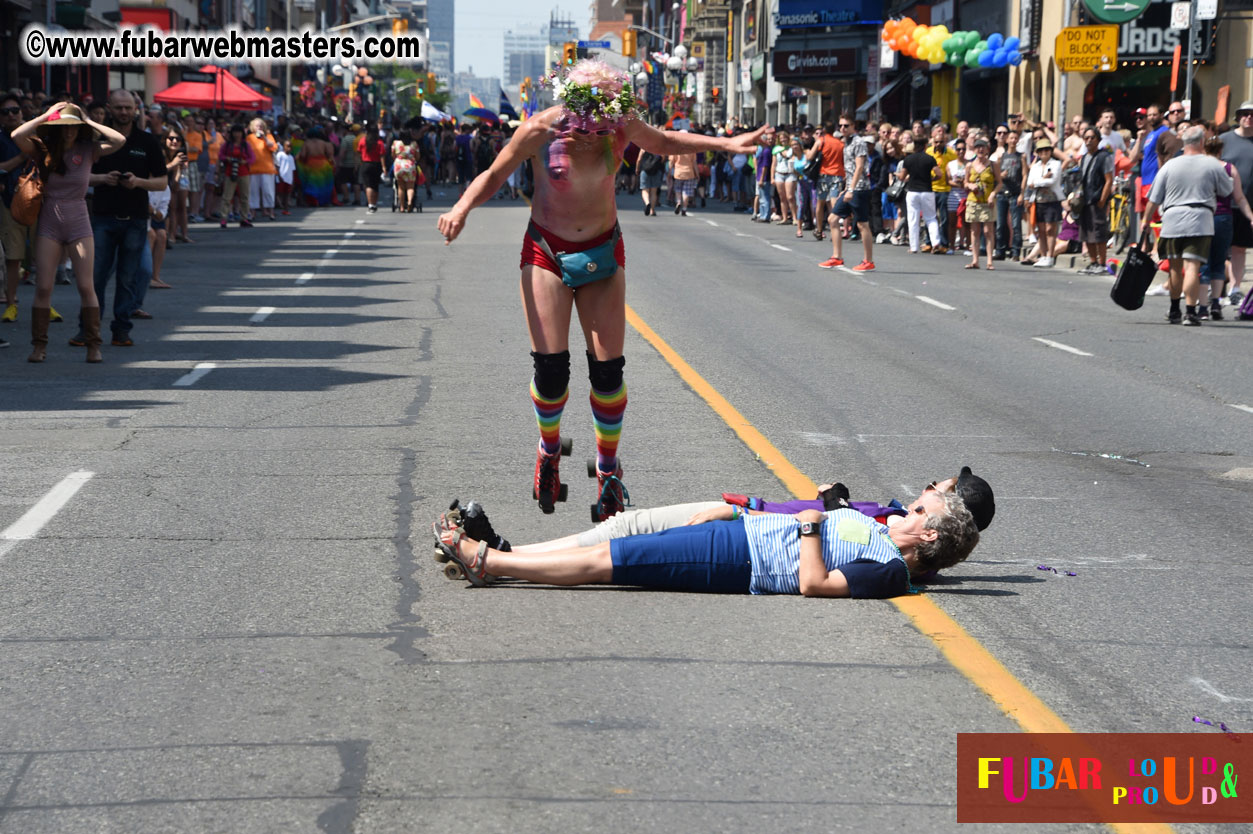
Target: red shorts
x=533, y=255
x=1143, y=200
x=283, y=187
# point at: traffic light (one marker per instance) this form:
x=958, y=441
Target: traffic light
x=717, y=94
x=522, y=91
x=400, y=25
x=628, y=43
x=569, y=53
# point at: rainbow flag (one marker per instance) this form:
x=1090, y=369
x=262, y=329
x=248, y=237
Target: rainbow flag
x=474, y=101
x=648, y=67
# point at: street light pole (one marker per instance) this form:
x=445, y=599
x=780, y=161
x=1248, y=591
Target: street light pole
x=287, y=99
x=1187, y=89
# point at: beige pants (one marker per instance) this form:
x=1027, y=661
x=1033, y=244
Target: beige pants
x=229, y=190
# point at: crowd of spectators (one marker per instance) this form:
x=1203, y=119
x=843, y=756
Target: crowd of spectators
x=1017, y=190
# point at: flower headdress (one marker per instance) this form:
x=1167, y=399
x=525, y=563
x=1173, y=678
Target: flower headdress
x=594, y=91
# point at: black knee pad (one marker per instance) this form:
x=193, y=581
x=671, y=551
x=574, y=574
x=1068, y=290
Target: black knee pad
x=552, y=373
x=605, y=375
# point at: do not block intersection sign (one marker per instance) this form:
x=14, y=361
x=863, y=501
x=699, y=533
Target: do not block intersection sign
x=1086, y=49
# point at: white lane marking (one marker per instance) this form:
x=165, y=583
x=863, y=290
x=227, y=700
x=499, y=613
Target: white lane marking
x=712, y=223
x=777, y=246
x=1248, y=408
x=194, y=375
x=927, y=300
x=349, y=234
x=305, y=278
x=1060, y=346
x=741, y=234
x=261, y=315
x=359, y=222
x=330, y=253
x=29, y=525
x=901, y=291
x=846, y=269
x=1208, y=688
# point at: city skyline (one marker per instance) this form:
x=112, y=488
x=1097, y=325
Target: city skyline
x=481, y=25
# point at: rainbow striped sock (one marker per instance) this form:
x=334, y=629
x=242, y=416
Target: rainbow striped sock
x=548, y=415
x=607, y=410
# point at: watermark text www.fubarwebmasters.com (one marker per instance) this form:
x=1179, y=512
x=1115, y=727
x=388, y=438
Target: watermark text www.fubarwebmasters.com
x=146, y=45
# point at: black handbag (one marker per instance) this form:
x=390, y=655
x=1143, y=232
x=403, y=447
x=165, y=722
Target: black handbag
x=896, y=191
x=1134, y=277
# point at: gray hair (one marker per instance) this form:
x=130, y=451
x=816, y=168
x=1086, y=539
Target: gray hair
x=1194, y=136
x=958, y=535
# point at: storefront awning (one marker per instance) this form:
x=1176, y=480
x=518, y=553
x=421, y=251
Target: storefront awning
x=883, y=91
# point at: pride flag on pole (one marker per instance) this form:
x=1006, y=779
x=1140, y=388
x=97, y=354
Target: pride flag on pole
x=474, y=101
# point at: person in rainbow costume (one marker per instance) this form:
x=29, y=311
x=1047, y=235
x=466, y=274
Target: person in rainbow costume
x=573, y=256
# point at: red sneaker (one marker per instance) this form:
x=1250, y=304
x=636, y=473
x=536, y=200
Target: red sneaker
x=832, y=263
x=864, y=266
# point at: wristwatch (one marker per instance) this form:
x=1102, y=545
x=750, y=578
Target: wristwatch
x=811, y=528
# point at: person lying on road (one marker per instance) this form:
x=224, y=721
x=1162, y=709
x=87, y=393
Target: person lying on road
x=839, y=553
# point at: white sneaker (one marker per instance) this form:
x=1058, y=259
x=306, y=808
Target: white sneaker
x=1160, y=289
x=1043, y=263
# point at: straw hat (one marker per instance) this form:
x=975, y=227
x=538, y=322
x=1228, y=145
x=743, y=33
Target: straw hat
x=68, y=116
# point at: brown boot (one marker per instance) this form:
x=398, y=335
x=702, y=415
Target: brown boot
x=39, y=318
x=91, y=333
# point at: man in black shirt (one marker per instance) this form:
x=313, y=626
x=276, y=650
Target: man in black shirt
x=120, y=213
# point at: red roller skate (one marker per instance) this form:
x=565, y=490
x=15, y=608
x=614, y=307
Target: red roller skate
x=547, y=488
x=612, y=496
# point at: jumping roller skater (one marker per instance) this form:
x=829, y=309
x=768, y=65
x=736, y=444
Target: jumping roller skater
x=573, y=256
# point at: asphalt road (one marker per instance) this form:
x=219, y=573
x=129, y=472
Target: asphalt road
x=234, y=623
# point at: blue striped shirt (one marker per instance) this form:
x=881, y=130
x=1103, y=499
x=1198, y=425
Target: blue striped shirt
x=775, y=547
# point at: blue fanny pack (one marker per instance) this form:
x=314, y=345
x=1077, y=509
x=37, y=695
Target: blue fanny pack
x=579, y=268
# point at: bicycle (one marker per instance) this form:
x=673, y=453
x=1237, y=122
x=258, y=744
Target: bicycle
x=1121, y=209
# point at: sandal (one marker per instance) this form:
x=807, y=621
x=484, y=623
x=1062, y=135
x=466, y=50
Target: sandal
x=971, y=266
x=457, y=567
x=799, y=233
x=817, y=234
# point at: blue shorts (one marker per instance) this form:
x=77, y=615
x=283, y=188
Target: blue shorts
x=858, y=205
x=710, y=558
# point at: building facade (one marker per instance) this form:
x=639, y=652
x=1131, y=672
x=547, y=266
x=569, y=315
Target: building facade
x=807, y=60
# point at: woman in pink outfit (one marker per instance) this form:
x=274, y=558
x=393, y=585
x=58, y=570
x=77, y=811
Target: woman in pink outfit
x=64, y=144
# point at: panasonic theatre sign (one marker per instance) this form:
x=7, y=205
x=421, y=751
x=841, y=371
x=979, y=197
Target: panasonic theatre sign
x=801, y=14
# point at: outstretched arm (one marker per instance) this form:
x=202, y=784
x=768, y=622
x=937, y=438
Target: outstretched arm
x=526, y=143
x=670, y=142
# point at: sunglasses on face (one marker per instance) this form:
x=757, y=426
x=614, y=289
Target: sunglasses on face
x=1174, y=112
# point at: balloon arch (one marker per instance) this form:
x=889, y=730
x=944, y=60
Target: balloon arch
x=937, y=45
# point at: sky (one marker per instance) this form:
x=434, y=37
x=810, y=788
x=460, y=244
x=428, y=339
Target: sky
x=481, y=25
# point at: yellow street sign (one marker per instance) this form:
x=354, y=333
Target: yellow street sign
x=1086, y=49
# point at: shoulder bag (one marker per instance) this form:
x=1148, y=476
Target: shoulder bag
x=1134, y=277
x=28, y=199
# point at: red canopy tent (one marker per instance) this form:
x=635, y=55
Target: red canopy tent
x=225, y=92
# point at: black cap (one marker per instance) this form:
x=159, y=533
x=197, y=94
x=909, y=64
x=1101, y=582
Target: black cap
x=977, y=495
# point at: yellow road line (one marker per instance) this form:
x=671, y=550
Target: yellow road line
x=966, y=653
